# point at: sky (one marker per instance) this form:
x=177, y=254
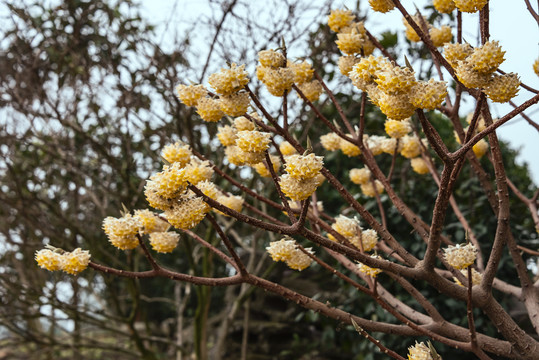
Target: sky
x=516, y=31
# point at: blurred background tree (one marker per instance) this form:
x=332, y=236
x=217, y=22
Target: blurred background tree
x=87, y=103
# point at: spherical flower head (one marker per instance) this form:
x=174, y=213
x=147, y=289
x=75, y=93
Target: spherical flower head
x=360, y=176
x=197, y=171
x=419, y=166
x=369, y=239
x=457, y=52
x=419, y=351
x=209, y=109
x=469, y=77
x=365, y=71
x=287, y=149
x=169, y=182
x=164, y=242
x=428, y=94
x=476, y=277
x=298, y=260
x=440, y=36
x=470, y=6
x=480, y=122
x=122, y=232
x=331, y=141
x=347, y=227
x=238, y=157
x=149, y=220
x=302, y=167
x=480, y=148
x=389, y=145
x=235, y=104
x=262, y=169
x=536, y=67
x=177, y=152
x=350, y=43
x=367, y=270
x=253, y=141
x=338, y=19
x=187, y=212
x=397, y=128
x=411, y=147
x=460, y=256
x=374, y=143
x=242, y=123
x=299, y=189
x=486, y=58
x=371, y=190
x=397, y=107
x=190, y=94
x=233, y=202
x=349, y=149
x=311, y=90
x=502, y=88
x=444, y=6
x=278, y=80
x=281, y=250
x=271, y=58
x=346, y=64
x=395, y=80
x=382, y=6
x=226, y=135
x=153, y=197
x=50, y=260
x=229, y=81
x=303, y=71
x=76, y=261
x=410, y=33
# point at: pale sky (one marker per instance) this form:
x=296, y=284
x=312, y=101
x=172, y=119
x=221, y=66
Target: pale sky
x=516, y=31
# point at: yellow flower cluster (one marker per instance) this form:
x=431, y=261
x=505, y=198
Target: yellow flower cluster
x=348, y=148
x=440, y=36
x=460, y=256
x=302, y=167
x=164, y=242
x=502, y=88
x=150, y=222
x=372, y=272
x=360, y=176
x=229, y=81
x=536, y=67
x=470, y=6
x=227, y=135
x=262, y=169
x=271, y=58
x=394, y=89
x=444, y=6
x=397, y=129
x=190, y=94
x=346, y=63
x=411, y=147
x=480, y=148
x=287, y=149
x=330, y=141
x=419, y=166
x=410, y=33
x=300, y=189
x=70, y=262
x=286, y=250
x=457, y=52
x=233, y=202
x=352, y=231
x=253, y=141
x=370, y=190
x=186, y=212
x=382, y=6
x=419, y=351
x=209, y=109
x=277, y=80
x=177, y=152
x=122, y=232
x=388, y=146
x=234, y=104
x=428, y=94
x=476, y=277
x=352, y=37
x=312, y=90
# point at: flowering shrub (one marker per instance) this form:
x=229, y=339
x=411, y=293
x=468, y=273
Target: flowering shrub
x=362, y=248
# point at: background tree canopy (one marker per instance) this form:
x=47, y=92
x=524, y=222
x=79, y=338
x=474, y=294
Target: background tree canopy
x=87, y=102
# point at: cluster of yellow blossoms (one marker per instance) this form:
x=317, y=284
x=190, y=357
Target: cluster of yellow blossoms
x=54, y=259
x=302, y=176
x=228, y=84
x=469, y=6
x=367, y=270
x=287, y=250
x=354, y=233
x=460, y=256
x=536, y=67
x=476, y=277
x=438, y=36
x=481, y=147
x=279, y=74
x=475, y=68
x=419, y=351
x=394, y=89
